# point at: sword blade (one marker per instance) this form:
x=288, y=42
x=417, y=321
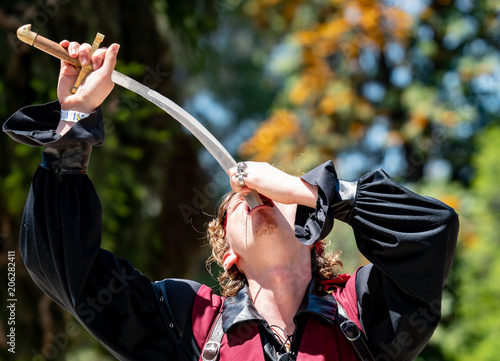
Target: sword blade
x=225, y=160
x=215, y=148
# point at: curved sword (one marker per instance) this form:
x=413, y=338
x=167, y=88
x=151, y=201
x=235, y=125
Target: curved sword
x=220, y=154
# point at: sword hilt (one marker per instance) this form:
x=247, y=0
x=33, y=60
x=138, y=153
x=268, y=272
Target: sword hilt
x=29, y=37
x=87, y=69
x=48, y=46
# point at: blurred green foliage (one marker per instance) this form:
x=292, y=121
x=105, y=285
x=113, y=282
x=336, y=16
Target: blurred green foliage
x=148, y=168
x=474, y=326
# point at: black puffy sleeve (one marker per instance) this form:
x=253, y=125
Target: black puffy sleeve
x=61, y=237
x=410, y=241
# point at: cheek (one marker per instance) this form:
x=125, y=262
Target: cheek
x=232, y=235
x=233, y=225
x=234, y=246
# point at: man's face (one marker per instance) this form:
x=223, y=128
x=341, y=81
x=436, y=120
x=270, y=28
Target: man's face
x=261, y=232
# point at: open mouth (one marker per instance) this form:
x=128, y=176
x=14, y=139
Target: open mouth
x=265, y=202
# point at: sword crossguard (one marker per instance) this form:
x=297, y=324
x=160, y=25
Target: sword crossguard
x=87, y=69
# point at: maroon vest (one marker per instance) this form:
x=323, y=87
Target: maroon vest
x=243, y=342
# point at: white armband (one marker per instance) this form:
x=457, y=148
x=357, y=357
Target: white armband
x=72, y=116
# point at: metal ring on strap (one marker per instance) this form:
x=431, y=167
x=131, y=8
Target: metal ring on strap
x=210, y=351
x=350, y=330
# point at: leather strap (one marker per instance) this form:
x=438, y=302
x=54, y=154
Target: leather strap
x=350, y=330
x=353, y=334
x=212, y=346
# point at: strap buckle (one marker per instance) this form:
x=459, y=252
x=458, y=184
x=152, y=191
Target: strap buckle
x=350, y=330
x=210, y=351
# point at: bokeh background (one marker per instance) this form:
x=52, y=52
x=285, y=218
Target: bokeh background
x=411, y=86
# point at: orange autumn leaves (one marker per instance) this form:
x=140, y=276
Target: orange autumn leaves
x=263, y=144
x=341, y=30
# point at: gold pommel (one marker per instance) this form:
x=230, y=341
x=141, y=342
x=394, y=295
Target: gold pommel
x=25, y=34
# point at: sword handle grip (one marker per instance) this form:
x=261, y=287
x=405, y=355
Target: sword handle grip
x=29, y=37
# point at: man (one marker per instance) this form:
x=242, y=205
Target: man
x=284, y=298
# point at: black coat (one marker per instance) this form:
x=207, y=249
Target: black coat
x=409, y=239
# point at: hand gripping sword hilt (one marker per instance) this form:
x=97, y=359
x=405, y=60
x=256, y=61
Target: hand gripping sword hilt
x=29, y=37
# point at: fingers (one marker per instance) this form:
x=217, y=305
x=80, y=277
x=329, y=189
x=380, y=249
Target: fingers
x=72, y=47
x=271, y=182
x=82, y=52
x=238, y=180
x=98, y=58
x=66, y=68
x=75, y=50
x=235, y=185
x=102, y=57
x=96, y=86
x=108, y=58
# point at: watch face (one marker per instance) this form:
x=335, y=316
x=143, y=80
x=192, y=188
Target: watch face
x=286, y=357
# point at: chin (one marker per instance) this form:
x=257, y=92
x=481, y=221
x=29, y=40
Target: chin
x=264, y=224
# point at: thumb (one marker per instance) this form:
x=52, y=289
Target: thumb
x=110, y=58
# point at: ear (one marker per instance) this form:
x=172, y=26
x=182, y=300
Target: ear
x=229, y=259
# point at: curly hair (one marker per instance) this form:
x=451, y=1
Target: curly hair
x=232, y=280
